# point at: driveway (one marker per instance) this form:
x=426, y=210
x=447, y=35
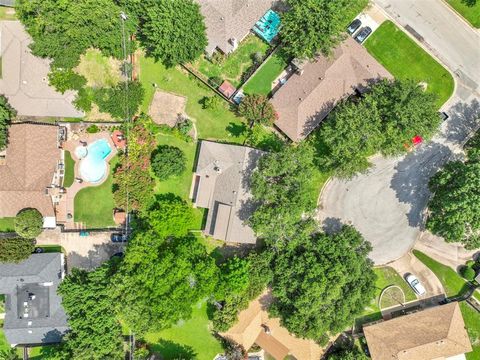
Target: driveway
x=86, y=252
x=387, y=204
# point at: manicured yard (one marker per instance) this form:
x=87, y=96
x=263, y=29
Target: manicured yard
x=190, y=339
x=472, y=323
x=69, y=170
x=470, y=13
x=94, y=205
x=261, y=82
x=219, y=124
x=234, y=64
x=7, y=224
x=99, y=70
x=405, y=59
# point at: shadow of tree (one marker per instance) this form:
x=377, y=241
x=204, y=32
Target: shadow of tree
x=236, y=130
x=94, y=258
x=169, y=350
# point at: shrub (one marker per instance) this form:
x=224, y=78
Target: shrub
x=119, y=101
x=470, y=263
x=215, y=81
x=211, y=102
x=6, y=114
x=29, y=223
x=92, y=129
x=65, y=79
x=468, y=273
x=257, y=57
x=168, y=161
x=16, y=249
x=184, y=126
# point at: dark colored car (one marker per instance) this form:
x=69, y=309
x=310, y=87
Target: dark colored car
x=363, y=34
x=116, y=238
x=354, y=26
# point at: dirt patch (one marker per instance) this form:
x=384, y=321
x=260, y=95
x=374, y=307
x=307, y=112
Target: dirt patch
x=167, y=108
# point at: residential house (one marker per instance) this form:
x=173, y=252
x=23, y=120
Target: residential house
x=228, y=22
x=221, y=184
x=255, y=326
x=317, y=86
x=434, y=334
x=33, y=310
x=28, y=168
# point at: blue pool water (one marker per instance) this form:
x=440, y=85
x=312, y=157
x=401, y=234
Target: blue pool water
x=93, y=167
x=268, y=26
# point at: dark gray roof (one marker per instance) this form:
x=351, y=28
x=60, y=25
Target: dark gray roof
x=34, y=314
x=222, y=185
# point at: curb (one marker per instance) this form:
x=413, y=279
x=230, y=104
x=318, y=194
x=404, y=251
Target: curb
x=460, y=16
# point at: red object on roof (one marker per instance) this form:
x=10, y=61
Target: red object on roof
x=417, y=140
x=119, y=139
x=227, y=89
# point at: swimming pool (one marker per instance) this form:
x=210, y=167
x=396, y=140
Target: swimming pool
x=93, y=166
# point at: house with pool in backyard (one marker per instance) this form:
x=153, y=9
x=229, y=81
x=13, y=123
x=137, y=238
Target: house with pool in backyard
x=40, y=159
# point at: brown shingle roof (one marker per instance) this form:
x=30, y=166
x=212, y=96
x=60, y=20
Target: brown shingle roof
x=304, y=101
x=32, y=156
x=432, y=334
x=227, y=19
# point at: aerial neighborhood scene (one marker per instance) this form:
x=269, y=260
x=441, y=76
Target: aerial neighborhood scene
x=240, y=179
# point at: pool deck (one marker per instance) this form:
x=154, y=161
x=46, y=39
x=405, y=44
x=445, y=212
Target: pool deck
x=67, y=204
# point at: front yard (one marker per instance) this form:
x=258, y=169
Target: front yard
x=404, y=59
x=261, y=82
x=470, y=13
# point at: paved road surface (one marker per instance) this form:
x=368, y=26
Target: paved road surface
x=386, y=205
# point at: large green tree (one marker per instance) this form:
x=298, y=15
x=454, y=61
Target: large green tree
x=171, y=31
x=63, y=30
x=28, y=223
x=321, y=282
x=348, y=354
x=257, y=109
x=15, y=249
x=311, y=27
x=6, y=114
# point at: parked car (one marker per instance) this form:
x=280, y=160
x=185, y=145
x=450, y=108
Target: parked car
x=117, y=238
x=363, y=34
x=415, y=284
x=354, y=26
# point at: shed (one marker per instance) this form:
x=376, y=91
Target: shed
x=227, y=89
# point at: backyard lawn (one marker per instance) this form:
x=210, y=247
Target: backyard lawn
x=406, y=60
x=218, y=124
x=189, y=339
x=99, y=70
x=234, y=64
x=470, y=13
x=261, y=82
x=94, y=205
x=69, y=170
x=7, y=224
x=7, y=13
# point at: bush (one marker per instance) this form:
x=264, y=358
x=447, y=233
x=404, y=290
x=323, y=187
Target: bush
x=29, y=223
x=16, y=249
x=168, y=161
x=92, y=129
x=468, y=273
x=215, y=81
x=65, y=79
x=211, y=102
x=6, y=114
x=470, y=263
x=257, y=57
x=184, y=126
x=112, y=100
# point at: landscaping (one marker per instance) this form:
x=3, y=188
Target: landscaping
x=470, y=13
x=69, y=170
x=404, y=59
x=191, y=339
x=231, y=67
x=7, y=224
x=261, y=82
x=94, y=205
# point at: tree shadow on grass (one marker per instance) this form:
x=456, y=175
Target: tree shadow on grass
x=236, y=130
x=169, y=350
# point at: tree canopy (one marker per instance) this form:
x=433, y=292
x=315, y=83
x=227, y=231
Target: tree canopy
x=168, y=161
x=348, y=354
x=6, y=114
x=15, y=249
x=257, y=109
x=321, y=282
x=28, y=223
x=311, y=27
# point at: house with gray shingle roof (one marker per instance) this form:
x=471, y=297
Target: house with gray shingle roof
x=228, y=22
x=221, y=184
x=33, y=309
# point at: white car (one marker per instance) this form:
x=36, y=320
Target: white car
x=415, y=284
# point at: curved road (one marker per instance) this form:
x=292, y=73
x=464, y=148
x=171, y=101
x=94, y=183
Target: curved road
x=386, y=204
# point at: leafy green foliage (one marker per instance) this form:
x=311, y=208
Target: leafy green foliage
x=6, y=114
x=84, y=99
x=311, y=27
x=257, y=109
x=121, y=101
x=348, y=354
x=322, y=282
x=9, y=354
x=29, y=223
x=468, y=273
x=184, y=127
x=211, y=102
x=234, y=351
x=172, y=31
x=65, y=79
x=92, y=129
x=15, y=249
x=234, y=276
x=95, y=332
x=469, y=3
x=63, y=30
x=170, y=216
x=168, y=161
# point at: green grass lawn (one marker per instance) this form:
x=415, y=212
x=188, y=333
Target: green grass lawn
x=470, y=13
x=219, y=124
x=234, y=64
x=261, y=82
x=472, y=323
x=94, y=205
x=191, y=339
x=7, y=13
x=405, y=59
x=7, y=224
x=99, y=70
x=51, y=248
x=69, y=170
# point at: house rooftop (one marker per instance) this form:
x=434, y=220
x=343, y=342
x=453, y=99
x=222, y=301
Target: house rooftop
x=308, y=96
x=221, y=183
x=434, y=334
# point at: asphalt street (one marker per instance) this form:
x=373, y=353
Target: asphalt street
x=387, y=204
